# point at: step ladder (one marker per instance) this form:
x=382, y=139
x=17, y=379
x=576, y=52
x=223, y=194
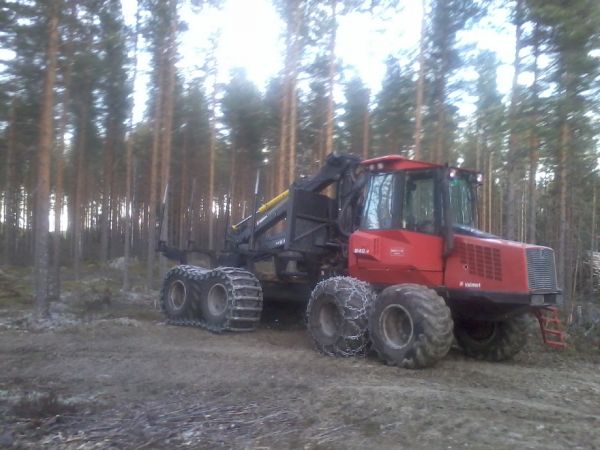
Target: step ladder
x=553, y=333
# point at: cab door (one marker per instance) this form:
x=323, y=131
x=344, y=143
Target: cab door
x=399, y=240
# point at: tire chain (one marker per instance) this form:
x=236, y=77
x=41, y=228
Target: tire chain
x=236, y=280
x=354, y=316
x=353, y=312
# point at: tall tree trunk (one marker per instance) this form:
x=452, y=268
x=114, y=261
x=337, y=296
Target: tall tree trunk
x=563, y=192
x=490, y=194
x=366, y=133
x=167, y=123
x=281, y=174
x=58, y=186
x=168, y=106
x=79, y=194
x=292, y=86
x=478, y=143
x=293, y=124
x=128, y=205
x=109, y=151
x=593, y=239
x=512, y=156
x=129, y=164
x=331, y=80
x=440, y=127
x=532, y=188
x=440, y=110
x=420, y=87
x=534, y=143
x=115, y=231
x=212, y=150
x=42, y=193
x=235, y=200
x=10, y=209
x=153, y=184
x=184, y=203
x=107, y=182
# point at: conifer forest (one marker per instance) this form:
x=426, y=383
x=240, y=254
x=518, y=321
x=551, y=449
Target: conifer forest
x=130, y=124
x=72, y=153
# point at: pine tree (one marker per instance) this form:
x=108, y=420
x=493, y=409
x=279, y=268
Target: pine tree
x=420, y=84
x=513, y=156
x=243, y=115
x=113, y=45
x=448, y=17
x=25, y=31
x=161, y=31
x=356, y=118
x=573, y=32
x=42, y=197
x=393, y=117
x=129, y=163
x=489, y=129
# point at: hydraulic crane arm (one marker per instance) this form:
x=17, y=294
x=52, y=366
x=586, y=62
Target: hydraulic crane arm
x=276, y=209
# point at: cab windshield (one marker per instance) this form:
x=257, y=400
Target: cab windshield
x=412, y=200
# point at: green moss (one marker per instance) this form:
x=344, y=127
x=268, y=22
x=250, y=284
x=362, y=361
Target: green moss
x=16, y=289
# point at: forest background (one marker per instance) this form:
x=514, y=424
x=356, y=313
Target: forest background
x=85, y=162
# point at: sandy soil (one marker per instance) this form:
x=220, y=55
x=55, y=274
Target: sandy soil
x=138, y=383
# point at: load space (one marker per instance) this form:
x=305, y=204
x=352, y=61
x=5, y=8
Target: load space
x=388, y=258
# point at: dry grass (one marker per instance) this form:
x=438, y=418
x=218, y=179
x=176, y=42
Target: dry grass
x=15, y=288
x=41, y=406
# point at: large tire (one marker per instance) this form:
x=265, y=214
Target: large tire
x=178, y=294
x=410, y=326
x=337, y=316
x=492, y=341
x=231, y=299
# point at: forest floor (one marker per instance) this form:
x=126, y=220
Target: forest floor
x=107, y=372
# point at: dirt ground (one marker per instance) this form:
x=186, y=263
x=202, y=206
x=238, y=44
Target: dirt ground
x=121, y=378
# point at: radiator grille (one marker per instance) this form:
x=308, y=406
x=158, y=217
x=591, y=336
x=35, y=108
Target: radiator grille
x=481, y=261
x=541, y=272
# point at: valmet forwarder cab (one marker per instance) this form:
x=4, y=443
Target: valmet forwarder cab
x=419, y=225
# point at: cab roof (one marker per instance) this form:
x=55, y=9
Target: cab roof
x=397, y=162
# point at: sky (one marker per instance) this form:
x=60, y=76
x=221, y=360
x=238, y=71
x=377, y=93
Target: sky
x=251, y=37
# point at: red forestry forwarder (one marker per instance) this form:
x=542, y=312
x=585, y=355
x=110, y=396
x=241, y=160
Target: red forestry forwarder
x=394, y=262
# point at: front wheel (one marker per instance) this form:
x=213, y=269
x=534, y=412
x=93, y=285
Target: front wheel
x=492, y=341
x=410, y=326
x=336, y=316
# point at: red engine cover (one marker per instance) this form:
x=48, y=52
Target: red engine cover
x=399, y=256
x=490, y=265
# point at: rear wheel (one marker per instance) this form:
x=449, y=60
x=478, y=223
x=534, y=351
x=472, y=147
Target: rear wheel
x=410, y=326
x=231, y=300
x=216, y=303
x=337, y=316
x=492, y=341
